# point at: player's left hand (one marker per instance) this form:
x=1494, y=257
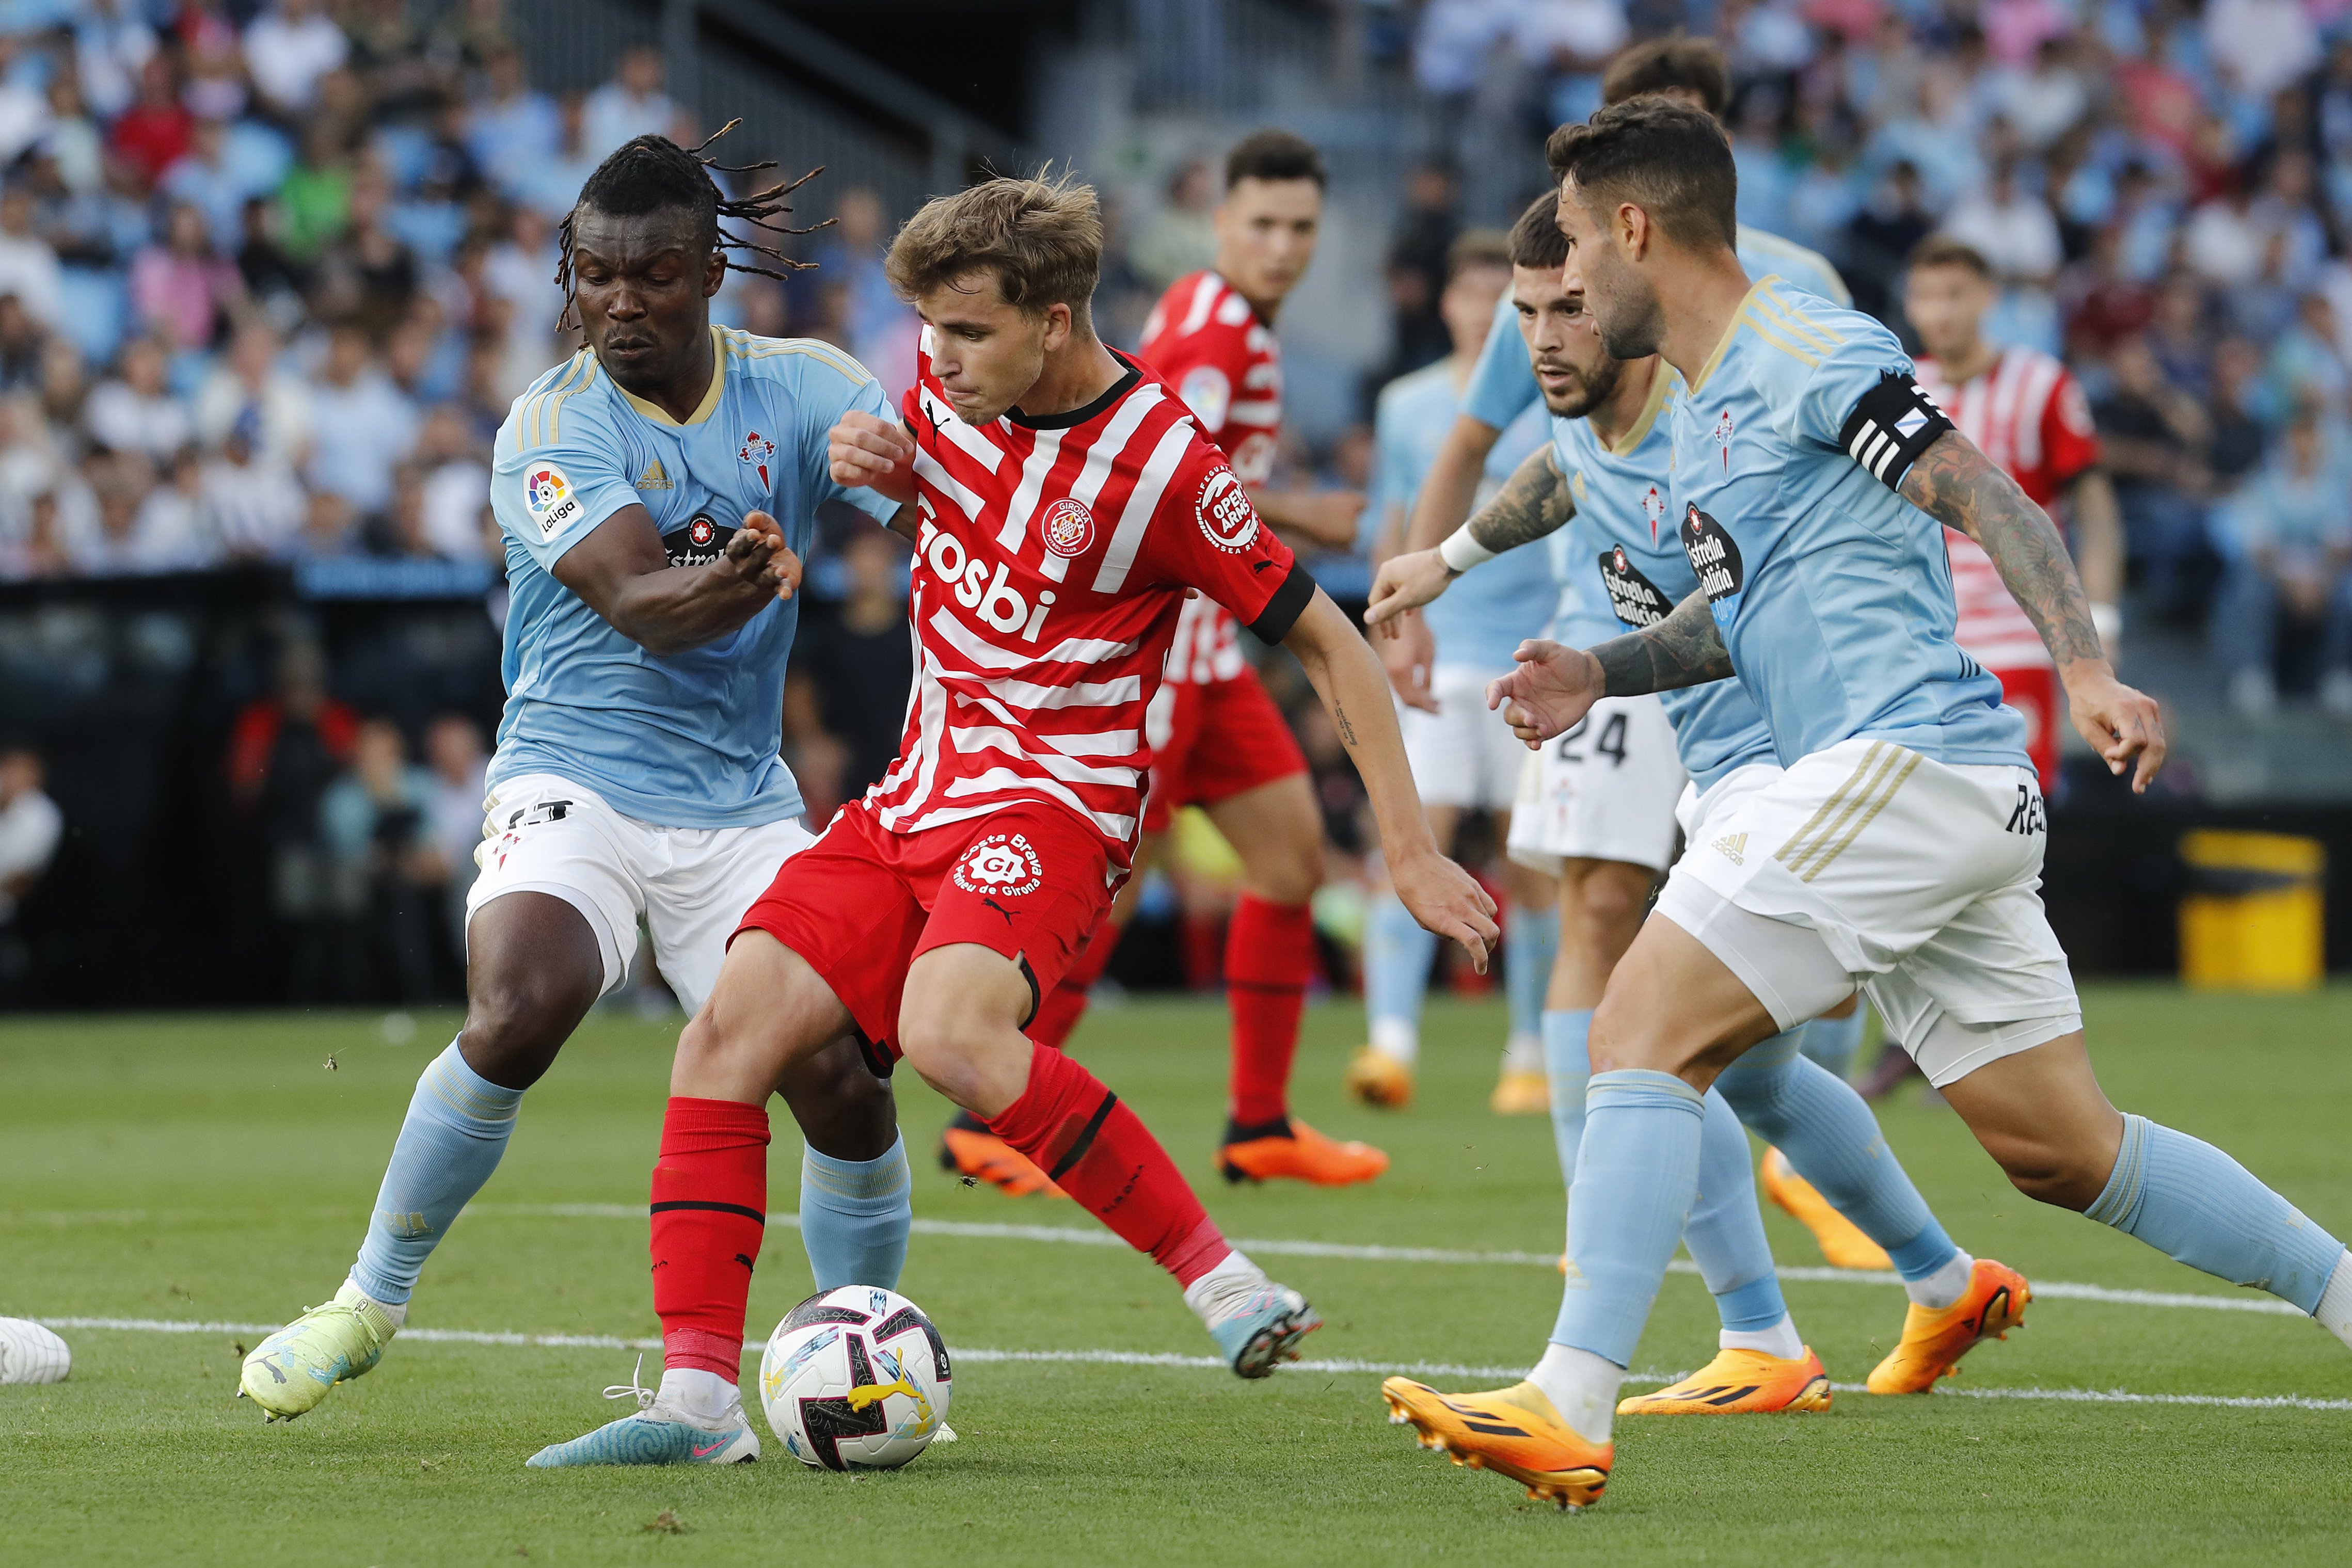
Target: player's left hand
x=863, y=449
x=1406, y=582
x=759, y=555
x=2124, y=726
x=1446, y=900
x=1407, y=654
x=1549, y=690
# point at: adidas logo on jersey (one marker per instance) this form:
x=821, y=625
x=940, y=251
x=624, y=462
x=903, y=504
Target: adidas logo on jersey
x=652, y=479
x=1732, y=847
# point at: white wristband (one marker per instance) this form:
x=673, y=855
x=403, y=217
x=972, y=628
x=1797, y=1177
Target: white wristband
x=1460, y=552
x=2107, y=619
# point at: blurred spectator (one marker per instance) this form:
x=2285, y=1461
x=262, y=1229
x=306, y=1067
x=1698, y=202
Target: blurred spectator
x=251, y=503
x=272, y=278
x=460, y=767
x=360, y=424
x=137, y=412
x=28, y=267
x=145, y=528
x=284, y=751
x=182, y=289
x=1179, y=238
x=375, y=824
x=455, y=488
x=846, y=693
x=2287, y=540
x=2153, y=436
x=22, y=342
x=883, y=327
x=366, y=275
x=553, y=185
x=287, y=49
x=330, y=530
x=314, y=200
x=248, y=382
x=157, y=129
x=514, y=129
x=30, y=828
x=1881, y=237
x=1416, y=267
x=632, y=104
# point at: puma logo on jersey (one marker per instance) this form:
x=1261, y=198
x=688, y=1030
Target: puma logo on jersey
x=652, y=479
x=1732, y=847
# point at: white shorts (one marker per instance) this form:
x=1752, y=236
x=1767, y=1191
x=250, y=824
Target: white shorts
x=1869, y=865
x=1462, y=755
x=691, y=886
x=1604, y=790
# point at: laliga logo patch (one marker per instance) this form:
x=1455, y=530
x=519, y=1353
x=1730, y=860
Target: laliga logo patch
x=1067, y=528
x=1002, y=863
x=548, y=497
x=1225, y=513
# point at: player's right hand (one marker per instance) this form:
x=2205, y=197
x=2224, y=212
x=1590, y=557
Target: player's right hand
x=2125, y=725
x=1446, y=900
x=758, y=554
x=864, y=450
x=1406, y=582
x=1550, y=689
x=1408, y=653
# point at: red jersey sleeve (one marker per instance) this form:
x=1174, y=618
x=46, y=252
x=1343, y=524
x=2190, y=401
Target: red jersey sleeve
x=2070, y=442
x=1207, y=535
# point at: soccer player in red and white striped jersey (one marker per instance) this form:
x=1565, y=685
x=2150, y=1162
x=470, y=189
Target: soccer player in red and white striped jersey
x=2025, y=411
x=1063, y=502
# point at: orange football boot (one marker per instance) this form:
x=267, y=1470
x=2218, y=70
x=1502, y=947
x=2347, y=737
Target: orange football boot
x=1301, y=1154
x=1379, y=1079
x=1935, y=1340
x=1514, y=1432
x=1520, y=1093
x=1842, y=1240
x=1740, y=1382
x=972, y=1152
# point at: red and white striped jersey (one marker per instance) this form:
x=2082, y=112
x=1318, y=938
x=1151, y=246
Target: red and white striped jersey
x=2027, y=412
x=1052, y=560
x=1206, y=341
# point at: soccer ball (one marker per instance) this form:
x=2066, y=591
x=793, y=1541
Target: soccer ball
x=856, y=1379
x=31, y=1354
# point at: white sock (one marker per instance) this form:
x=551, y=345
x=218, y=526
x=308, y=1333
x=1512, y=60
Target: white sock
x=1396, y=1039
x=704, y=1399
x=1581, y=1386
x=1942, y=1288
x=2335, y=1313
x=397, y=1311
x=1781, y=1339
x=1211, y=1295
x=1523, y=1054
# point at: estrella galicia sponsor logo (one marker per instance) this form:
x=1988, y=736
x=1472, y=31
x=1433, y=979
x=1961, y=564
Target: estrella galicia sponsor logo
x=1713, y=555
x=700, y=542
x=1634, y=598
x=1002, y=865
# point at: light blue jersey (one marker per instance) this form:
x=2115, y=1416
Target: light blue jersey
x=1503, y=385
x=1834, y=594
x=1622, y=551
x=686, y=741
x=1500, y=603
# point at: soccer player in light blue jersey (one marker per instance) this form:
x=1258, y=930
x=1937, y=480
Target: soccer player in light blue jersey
x=1594, y=498
x=657, y=492
x=1901, y=848
x=1464, y=758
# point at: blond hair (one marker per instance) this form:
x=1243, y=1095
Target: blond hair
x=1042, y=238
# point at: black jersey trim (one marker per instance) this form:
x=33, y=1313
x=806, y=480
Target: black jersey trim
x=1289, y=603
x=1891, y=426
x=1079, y=416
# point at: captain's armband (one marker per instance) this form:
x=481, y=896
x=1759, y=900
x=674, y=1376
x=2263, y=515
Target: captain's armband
x=1891, y=426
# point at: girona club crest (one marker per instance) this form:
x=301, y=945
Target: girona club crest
x=1005, y=864
x=1067, y=527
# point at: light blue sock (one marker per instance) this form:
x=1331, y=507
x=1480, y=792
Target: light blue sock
x=854, y=1215
x=1831, y=1140
x=2195, y=1204
x=1833, y=1041
x=1397, y=955
x=1636, y=1178
x=1567, y=1064
x=1529, y=938
x=1725, y=1234
x=458, y=1125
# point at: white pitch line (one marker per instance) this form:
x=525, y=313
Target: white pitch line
x=1211, y=1363
x=2043, y=1290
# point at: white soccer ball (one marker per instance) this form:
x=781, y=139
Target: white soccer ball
x=856, y=1379
x=31, y=1354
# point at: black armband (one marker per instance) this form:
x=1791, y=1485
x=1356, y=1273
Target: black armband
x=1891, y=426
x=1289, y=603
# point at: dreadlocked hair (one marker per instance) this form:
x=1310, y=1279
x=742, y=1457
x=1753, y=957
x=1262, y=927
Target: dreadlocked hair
x=653, y=173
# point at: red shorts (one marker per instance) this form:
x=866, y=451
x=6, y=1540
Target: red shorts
x=863, y=902
x=1225, y=738
x=2034, y=692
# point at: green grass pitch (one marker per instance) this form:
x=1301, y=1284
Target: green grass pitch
x=216, y=1169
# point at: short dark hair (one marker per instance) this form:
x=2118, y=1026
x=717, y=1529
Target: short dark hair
x=1664, y=156
x=1670, y=65
x=1477, y=248
x=1275, y=155
x=1943, y=250
x=1536, y=240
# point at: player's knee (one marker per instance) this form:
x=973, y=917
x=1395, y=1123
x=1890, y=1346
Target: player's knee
x=941, y=1040
x=1291, y=874
x=2063, y=1176
x=843, y=1109
x=1622, y=1037
x=1612, y=903
x=515, y=1026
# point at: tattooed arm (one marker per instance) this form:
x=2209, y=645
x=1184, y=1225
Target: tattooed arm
x=1960, y=487
x=1554, y=686
x=1347, y=676
x=1533, y=502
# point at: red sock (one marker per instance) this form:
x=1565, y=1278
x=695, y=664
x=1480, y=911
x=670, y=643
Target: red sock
x=1197, y=939
x=1102, y=1154
x=1066, y=1004
x=709, y=1213
x=1269, y=958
